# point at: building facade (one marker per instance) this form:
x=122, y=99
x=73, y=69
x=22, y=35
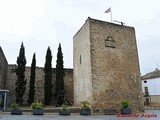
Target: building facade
x=106, y=66
x=3, y=69
x=151, y=89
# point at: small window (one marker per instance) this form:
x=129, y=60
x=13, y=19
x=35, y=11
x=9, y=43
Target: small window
x=145, y=81
x=80, y=60
x=110, y=42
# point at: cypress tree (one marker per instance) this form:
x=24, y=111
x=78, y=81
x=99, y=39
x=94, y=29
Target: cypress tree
x=20, y=72
x=59, y=71
x=32, y=80
x=48, y=77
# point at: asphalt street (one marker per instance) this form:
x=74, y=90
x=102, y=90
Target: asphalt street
x=148, y=115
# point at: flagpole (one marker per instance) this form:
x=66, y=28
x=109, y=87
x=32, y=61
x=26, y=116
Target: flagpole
x=109, y=10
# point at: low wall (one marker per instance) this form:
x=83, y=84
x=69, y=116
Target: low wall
x=39, y=82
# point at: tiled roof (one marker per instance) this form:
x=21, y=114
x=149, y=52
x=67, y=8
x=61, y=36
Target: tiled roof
x=150, y=75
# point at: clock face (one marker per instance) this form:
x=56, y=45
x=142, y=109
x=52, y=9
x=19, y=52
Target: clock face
x=110, y=42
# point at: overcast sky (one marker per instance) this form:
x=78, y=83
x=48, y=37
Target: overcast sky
x=43, y=23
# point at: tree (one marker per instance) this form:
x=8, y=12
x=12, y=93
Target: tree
x=20, y=72
x=48, y=78
x=32, y=80
x=59, y=71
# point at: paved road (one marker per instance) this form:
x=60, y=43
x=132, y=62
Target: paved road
x=148, y=115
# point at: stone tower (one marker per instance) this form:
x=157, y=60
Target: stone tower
x=106, y=66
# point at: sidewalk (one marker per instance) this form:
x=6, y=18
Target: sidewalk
x=48, y=109
x=75, y=116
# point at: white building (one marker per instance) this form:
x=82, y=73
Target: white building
x=151, y=87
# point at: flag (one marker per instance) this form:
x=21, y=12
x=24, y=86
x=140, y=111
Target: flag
x=108, y=10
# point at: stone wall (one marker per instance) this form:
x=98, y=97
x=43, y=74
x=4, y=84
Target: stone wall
x=39, y=83
x=106, y=68
x=3, y=69
x=82, y=65
x=113, y=58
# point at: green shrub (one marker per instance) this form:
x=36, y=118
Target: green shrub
x=125, y=103
x=37, y=105
x=14, y=106
x=64, y=107
x=86, y=105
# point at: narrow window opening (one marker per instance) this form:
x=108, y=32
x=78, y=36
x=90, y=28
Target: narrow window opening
x=80, y=59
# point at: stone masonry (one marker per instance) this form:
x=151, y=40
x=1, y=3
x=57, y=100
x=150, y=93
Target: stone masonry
x=106, y=66
x=39, y=83
x=3, y=69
